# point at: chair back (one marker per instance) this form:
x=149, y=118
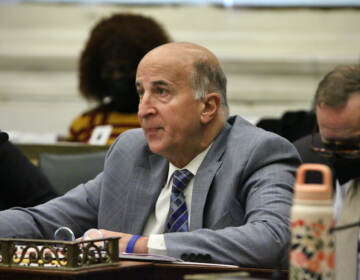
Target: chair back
x=66, y=171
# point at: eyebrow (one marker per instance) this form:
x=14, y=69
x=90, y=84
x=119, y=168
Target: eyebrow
x=156, y=83
x=160, y=83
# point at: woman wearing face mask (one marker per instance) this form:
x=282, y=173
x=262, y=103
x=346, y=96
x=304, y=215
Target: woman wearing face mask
x=107, y=69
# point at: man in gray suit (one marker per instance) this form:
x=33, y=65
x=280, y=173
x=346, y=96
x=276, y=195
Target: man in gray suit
x=231, y=193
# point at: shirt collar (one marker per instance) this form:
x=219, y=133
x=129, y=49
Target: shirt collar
x=192, y=166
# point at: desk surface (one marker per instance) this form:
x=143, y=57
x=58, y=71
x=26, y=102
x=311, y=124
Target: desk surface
x=126, y=270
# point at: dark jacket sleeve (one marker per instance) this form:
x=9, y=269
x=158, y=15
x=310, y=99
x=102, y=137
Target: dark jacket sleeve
x=22, y=183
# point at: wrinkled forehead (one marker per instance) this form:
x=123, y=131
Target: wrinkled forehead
x=165, y=64
x=168, y=56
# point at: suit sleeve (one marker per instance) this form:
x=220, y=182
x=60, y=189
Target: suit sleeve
x=77, y=210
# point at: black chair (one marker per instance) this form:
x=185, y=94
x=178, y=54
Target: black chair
x=66, y=171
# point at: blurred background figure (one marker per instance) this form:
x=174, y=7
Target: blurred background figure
x=22, y=183
x=337, y=144
x=107, y=69
x=335, y=140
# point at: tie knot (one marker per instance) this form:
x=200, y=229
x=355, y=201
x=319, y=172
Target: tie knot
x=181, y=179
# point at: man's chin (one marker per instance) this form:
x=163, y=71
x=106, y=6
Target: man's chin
x=155, y=147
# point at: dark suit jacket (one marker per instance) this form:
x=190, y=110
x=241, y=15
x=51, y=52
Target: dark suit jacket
x=22, y=183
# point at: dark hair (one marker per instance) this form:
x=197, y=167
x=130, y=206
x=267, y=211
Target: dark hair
x=121, y=39
x=208, y=77
x=337, y=86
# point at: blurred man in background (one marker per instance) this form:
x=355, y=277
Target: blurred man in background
x=337, y=144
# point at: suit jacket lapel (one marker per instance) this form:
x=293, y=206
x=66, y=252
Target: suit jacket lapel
x=205, y=176
x=202, y=184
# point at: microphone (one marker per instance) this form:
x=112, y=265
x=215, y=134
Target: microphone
x=356, y=224
x=3, y=137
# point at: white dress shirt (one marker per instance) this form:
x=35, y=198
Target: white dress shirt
x=340, y=194
x=156, y=222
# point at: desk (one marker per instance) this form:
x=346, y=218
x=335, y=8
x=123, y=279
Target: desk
x=125, y=270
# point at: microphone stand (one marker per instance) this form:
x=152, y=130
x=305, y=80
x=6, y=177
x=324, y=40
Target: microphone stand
x=345, y=226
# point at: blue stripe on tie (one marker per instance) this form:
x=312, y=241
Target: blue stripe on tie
x=181, y=222
x=178, y=214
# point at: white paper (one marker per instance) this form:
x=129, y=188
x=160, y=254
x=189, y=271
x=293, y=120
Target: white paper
x=100, y=135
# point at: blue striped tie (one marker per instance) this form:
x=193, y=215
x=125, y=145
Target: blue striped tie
x=178, y=214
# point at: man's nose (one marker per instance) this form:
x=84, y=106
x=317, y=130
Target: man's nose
x=146, y=106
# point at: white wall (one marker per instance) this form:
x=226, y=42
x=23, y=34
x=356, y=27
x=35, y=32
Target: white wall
x=273, y=58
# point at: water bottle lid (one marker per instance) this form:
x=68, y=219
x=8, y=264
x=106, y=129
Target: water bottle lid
x=313, y=191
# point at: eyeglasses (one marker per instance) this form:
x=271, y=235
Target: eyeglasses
x=346, y=151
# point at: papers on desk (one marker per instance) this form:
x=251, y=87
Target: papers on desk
x=148, y=257
x=168, y=259
x=218, y=265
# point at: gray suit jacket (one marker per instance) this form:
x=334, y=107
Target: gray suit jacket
x=240, y=204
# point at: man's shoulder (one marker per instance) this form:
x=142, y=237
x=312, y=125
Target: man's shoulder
x=241, y=128
x=248, y=139
x=131, y=138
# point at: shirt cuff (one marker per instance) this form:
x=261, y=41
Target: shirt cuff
x=156, y=244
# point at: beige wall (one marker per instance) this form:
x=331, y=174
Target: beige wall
x=273, y=58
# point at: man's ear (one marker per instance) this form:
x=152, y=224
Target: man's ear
x=211, y=104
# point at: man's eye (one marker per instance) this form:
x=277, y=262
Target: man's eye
x=161, y=91
x=140, y=92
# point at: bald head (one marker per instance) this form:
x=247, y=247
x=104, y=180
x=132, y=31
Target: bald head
x=188, y=52
x=203, y=67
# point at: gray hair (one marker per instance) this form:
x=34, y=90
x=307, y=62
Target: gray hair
x=208, y=77
x=338, y=85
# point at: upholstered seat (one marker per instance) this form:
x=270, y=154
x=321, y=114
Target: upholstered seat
x=66, y=171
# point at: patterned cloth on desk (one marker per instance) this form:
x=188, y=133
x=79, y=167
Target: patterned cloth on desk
x=346, y=241
x=83, y=126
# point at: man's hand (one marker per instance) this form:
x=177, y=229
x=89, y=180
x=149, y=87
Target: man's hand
x=140, y=245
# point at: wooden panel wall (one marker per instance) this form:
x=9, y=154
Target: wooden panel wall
x=273, y=58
